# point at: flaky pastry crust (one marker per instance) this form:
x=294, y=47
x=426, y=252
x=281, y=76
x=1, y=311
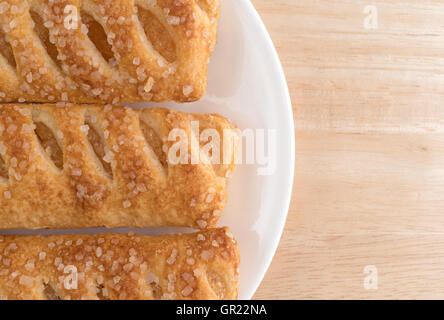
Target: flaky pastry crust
x=117, y=267
x=87, y=166
x=93, y=51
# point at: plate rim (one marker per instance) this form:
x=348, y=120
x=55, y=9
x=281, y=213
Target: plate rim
x=279, y=74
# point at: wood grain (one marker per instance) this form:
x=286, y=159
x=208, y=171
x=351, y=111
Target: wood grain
x=369, y=181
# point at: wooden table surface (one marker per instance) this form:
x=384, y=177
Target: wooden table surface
x=367, y=212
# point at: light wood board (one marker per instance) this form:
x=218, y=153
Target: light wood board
x=369, y=182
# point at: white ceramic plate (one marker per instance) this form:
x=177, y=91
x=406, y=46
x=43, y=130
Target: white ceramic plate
x=246, y=85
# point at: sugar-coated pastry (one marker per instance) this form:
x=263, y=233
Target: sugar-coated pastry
x=202, y=265
x=92, y=51
x=87, y=166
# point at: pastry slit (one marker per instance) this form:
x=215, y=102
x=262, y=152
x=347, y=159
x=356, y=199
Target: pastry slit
x=98, y=36
x=43, y=34
x=100, y=294
x=156, y=291
x=4, y=177
x=157, y=34
x=49, y=143
x=49, y=292
x=98, y=146
x=6, y=50
x=206, y=157
x=155, y=143
x=229, y=136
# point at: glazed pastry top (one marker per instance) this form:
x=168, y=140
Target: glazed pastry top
x=93, y=51
x=203, y=265
x=88, y=166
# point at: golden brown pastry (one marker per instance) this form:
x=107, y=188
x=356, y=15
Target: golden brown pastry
x=91, y=51
x=79, y=166
x=113, y=266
